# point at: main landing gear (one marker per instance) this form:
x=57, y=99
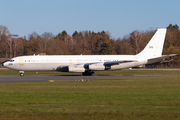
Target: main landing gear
x=21, y=73
x=88, y=73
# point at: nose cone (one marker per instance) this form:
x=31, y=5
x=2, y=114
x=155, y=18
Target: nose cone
x=4, y=64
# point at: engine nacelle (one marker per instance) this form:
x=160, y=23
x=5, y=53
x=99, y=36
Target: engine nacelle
x=76, y=69
x=99, y=67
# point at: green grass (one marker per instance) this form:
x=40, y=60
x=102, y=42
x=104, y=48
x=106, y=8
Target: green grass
x=129, y=98
x=7, y=72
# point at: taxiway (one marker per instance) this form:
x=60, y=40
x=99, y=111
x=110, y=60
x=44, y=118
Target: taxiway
x=14, y=79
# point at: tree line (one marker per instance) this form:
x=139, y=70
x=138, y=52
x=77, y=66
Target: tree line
x=85, y=43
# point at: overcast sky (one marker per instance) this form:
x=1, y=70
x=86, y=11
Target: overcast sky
x=119, y=17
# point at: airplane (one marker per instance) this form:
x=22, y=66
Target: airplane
x=87, y=64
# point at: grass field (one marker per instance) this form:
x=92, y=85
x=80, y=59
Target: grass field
x=144, y=98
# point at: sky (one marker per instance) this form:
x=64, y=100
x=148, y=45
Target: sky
x=118, y=17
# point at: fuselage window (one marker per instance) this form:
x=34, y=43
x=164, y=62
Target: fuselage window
x=11, y=60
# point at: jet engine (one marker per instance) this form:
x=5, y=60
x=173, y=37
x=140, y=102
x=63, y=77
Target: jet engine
x=76, y=69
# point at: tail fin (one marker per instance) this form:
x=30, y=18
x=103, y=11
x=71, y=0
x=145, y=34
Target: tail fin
x=155, y=46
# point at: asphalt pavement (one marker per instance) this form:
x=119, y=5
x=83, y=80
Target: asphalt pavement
x=14, y=79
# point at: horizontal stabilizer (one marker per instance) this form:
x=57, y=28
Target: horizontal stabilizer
x=159, y=59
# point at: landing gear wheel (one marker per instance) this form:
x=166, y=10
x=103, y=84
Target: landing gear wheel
x=21, y=74
x=93, y=74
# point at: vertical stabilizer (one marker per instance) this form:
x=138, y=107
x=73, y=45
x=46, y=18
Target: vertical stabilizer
x=155, y=46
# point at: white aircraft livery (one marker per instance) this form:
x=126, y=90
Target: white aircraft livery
x=86, y=64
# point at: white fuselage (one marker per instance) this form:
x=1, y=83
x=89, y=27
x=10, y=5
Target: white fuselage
x=53, y=62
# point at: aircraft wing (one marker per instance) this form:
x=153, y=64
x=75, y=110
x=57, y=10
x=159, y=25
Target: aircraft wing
x=109, y=63
x=118, y=62
x=83, y=66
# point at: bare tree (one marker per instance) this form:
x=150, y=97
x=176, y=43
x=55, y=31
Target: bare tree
x=33, y=35
x=47, y=35
x=135, y=40
x=18, y=46
x=4, y=33
x=9, y=42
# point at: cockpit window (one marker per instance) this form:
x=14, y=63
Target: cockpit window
x=11, y=60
